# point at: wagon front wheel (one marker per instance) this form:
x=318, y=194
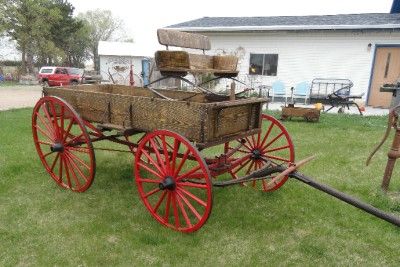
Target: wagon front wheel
x=63, y=144
x=173, y=181
x=272, y=145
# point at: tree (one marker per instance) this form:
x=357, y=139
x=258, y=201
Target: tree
x=28, y=22
x=45, y=32
x=103, y=27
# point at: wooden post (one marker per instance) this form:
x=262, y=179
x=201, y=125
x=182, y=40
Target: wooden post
x=232, y=94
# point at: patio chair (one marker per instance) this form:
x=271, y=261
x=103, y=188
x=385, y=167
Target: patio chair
x=301, y=90
x=279, y=90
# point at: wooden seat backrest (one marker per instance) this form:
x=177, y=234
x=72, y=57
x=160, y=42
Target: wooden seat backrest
x=183, y=39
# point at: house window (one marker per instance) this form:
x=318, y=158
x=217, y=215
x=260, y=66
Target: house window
x=263, y=64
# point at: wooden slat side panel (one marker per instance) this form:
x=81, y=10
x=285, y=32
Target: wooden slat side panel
x=233, y=120
x=183, y=39
x=146, y=114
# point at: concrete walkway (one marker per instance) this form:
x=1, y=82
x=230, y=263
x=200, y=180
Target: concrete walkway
x=19, y=96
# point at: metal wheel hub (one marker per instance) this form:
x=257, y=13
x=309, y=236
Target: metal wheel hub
x=256, y=154
x=167, y=183
x=57, y=147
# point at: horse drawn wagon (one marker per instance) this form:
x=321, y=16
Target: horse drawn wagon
x=167, y=131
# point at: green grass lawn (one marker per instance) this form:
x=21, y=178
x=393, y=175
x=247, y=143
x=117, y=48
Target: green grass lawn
x=42, y=224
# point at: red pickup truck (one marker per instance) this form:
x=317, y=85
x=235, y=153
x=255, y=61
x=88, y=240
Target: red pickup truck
x=60, y=76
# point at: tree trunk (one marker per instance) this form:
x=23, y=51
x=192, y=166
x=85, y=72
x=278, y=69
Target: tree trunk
x=23, y=63
x=96, y=59
x=29, y=65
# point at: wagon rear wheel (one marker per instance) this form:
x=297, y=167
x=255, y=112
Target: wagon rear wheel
x=63, y=144
x=173, y=181
x=272, y=144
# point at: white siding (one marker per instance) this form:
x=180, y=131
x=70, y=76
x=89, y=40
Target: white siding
x=304, y=56
x=119, y=68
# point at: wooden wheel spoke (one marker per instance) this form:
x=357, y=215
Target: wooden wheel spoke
x=66, y=132
x=175, y=211
x=273, y=140
x=184, y=158
x=144, y=180
x=48, y=154
x=158, y=155
x=166, y=153
x=167, y=206
x=183, y=211
x=46, y=113
x=175, y=150
x=249, y=168
x=44, y=133
x=62, y=122
x=277, y=149
x=198, y=200
x=264, y=185
x=241, y=166
x=276, y=157
x=253, y=139
x=190, y=184
x=160, y=200
x=267, y=134
x=60, y=169
x=250, y=148
x=77, y=167
x=153, y=162
x=144, y=166
x=67, y=172
x=152, y=192
x=189, y=205
x=45, y=143
x=56, y=126
x=54, y=162
x=48, y=127
x=191, y=174
x=74, y=176
x=74, y=157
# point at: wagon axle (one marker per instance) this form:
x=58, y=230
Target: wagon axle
x=57, y=147
x=167, y=183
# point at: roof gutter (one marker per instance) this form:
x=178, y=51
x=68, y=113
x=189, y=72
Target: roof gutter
x=286, y=28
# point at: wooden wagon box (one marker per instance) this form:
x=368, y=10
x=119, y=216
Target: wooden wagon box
x=203, y=122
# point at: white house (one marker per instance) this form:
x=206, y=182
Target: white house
x=364, y=48
x=116, y=60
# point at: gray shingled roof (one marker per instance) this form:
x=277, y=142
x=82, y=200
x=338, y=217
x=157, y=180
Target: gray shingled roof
x=373, y=20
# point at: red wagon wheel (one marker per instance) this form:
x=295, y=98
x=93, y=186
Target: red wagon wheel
x=273, y=143
x=63, y=144
x=173, y=181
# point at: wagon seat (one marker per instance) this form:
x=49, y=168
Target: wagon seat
x=178, y=64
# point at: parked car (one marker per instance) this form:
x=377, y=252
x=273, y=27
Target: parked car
x=91, y=77
x=60, y=76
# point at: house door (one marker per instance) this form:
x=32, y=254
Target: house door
x=385, y=70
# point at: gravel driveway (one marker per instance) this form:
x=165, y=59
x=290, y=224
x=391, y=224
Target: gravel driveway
x=19, y=96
